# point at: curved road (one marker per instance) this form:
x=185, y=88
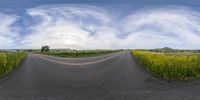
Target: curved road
x=109, y=77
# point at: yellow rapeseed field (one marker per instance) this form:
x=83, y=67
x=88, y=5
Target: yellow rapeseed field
x=8, y=61
x=170, y=67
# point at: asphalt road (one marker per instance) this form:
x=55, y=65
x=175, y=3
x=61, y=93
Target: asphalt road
x=110, y=77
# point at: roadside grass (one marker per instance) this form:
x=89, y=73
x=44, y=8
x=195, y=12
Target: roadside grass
x=9, y=61
x=170, y=66
x=78, y=53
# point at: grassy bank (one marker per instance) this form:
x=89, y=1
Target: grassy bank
x=9, y=61
x=78, y=53
x=170, y=66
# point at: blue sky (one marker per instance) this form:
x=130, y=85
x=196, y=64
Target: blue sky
x=100, y=24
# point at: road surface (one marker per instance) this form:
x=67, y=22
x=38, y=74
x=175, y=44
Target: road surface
x=109, y=77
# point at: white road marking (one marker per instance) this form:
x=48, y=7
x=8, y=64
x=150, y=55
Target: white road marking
x=77, y=64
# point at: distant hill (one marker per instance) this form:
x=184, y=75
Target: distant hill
x=166, y=48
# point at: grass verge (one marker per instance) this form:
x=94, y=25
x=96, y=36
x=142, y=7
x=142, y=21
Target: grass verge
x=9, y=61
x=170, y=67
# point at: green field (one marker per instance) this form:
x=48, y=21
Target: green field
x=170, y=66
x=78, y=53
x=9, y=61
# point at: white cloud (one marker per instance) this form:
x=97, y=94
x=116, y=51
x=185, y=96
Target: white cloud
x=89, y=27
x=177, y=27
x=8, y=33
x=71, y=26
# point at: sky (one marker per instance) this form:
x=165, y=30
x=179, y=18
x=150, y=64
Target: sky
x=100, y=24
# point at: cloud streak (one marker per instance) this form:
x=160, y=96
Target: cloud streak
x=177, y=27
x=70, y=26
x=8, y=32
x=89, y=27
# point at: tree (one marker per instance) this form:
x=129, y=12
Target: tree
x=45, y=48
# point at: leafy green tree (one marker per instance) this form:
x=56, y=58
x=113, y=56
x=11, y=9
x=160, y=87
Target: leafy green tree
x=45, y=48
